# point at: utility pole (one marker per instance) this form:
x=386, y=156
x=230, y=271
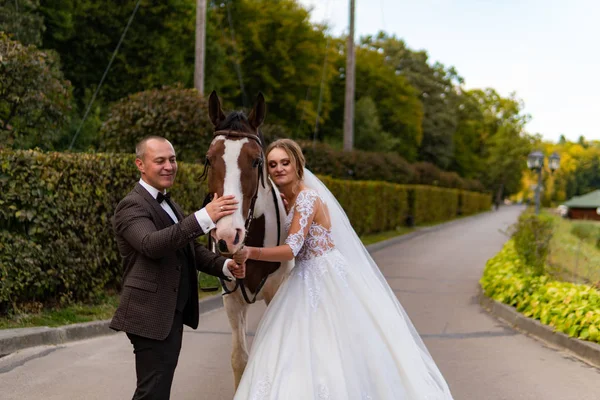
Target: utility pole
x=349, y=101
x=200, y=45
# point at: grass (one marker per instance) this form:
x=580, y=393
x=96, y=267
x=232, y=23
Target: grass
x=378, y=237
x=102, y=308
x=571, y=258
x=105, y=307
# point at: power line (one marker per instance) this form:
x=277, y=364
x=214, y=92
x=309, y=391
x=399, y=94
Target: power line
x=382, y=14
x=323, y=76
x=105, y=73
x=238, y=69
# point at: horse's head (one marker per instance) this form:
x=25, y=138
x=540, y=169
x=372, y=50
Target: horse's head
x=235, y=162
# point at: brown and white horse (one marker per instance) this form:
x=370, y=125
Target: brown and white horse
x=236, y=165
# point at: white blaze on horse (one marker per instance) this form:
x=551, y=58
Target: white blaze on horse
x=236, y=165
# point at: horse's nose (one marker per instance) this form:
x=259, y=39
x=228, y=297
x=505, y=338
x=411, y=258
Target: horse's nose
x=237, y=237
x=222, y=246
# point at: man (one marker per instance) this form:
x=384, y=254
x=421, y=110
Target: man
x=160, y=258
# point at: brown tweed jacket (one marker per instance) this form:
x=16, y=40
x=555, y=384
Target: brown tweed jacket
x=154, y=252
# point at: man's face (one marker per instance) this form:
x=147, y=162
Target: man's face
x=158, y=165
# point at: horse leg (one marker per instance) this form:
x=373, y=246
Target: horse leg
x=236, y=309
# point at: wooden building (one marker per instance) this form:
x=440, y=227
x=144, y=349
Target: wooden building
x=585, y=207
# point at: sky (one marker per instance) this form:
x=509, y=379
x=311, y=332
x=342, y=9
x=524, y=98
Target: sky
x=547, y=52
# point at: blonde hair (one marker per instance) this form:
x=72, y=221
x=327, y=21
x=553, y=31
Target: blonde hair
x=293, y=150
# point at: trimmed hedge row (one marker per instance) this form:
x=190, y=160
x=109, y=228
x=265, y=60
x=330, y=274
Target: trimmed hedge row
x=57, y=242
x=567, y=307
x=371, y=206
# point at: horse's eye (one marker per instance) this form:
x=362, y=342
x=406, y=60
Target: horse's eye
x=257, y=162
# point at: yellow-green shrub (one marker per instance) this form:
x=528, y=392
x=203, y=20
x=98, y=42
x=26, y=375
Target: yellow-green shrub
x=567, y=307
x=433, y=204
x=371, y=206
x=473, y=202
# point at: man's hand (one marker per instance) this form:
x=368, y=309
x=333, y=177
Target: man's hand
x=237, y=270
x=241, y=255
x=221, y=206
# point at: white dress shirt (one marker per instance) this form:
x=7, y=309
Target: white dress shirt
x=201, y=216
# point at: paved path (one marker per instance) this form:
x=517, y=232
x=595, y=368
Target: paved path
x=435, y=277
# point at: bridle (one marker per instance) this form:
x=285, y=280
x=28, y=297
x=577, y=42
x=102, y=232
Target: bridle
x=259, y=163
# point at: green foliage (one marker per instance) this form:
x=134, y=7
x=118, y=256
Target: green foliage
x=568, y=308
x=471, y=202
x=371, y=206
x=586, y=177
x=157, y=50
x=35, y=99
x=368, y=133
x=506, y=144
x=56, y=238
x=435, y=85
x=272, y=47
x=432, y=204
x=532, y=235
x=55, y=214
x=180, y=115
x=21, y=20
x=398, y=106
x=469, y=138
x=356, y=164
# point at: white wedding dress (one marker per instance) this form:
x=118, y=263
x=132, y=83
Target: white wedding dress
x=335, y=330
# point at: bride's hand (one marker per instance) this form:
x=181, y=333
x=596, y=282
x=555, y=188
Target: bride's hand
x=241, y=255
x=285, y=201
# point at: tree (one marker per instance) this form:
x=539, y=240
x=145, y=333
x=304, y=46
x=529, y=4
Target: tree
x=468, y=158
x=35, y=99
x=178, y=114
x=21, y=20
x=562, y=139
x=157, y=50
x=398, y=108
x=272, y=47
x=506, y=144
x=369, y=135
x=435, y=85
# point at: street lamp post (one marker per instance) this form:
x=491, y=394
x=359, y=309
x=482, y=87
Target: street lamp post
x=535, y=162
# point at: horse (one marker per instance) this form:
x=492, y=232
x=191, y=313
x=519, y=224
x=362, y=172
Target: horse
x=235, y=165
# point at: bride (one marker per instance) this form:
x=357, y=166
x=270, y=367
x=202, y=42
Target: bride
x=335, y=329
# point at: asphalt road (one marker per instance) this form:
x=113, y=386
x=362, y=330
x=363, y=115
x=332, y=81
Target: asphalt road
x=435, y=276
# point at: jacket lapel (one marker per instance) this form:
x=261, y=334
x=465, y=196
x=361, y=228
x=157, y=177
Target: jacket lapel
x=157, y=210
x=190, y=247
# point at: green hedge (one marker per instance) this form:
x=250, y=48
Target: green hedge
x=371, y=206
x=434, y=204
x=55, y=210
x=57, y=242
x=473, y=202
x=567, y=307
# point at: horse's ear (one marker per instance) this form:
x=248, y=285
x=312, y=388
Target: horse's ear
x=257, y=115
x=214, y=109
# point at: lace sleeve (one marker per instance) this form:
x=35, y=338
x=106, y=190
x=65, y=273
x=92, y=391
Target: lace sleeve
x=304, y=212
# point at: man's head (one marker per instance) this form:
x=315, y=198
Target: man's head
x=155, y=159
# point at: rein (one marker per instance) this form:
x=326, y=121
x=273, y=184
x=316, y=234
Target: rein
x=240, y=283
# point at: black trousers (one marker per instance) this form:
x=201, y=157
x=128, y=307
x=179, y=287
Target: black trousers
x=155, y=362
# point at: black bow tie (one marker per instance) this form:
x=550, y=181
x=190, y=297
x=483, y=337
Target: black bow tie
x=162, y=197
